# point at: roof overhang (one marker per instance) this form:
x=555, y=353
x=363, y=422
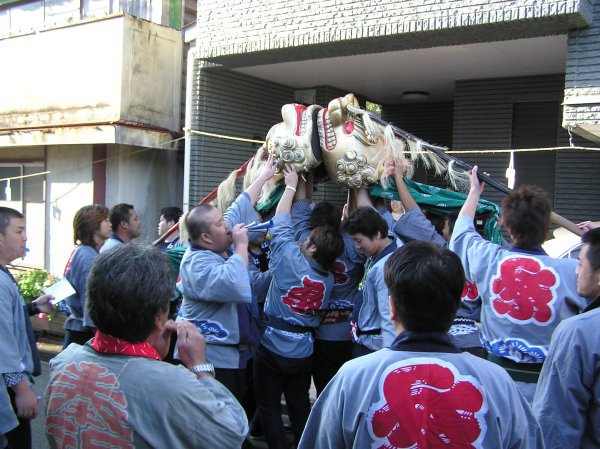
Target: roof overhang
x=504, y=21
x=383, y=77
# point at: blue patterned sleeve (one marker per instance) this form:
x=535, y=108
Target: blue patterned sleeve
x=12, y=379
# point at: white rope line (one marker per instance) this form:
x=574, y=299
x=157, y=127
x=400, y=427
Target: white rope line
x=88, y=165
x=222, y=136
x=503, y=150
x=243, y=139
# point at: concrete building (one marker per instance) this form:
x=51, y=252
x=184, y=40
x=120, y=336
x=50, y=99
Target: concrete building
x=90, y=107
x=93, y=93
x=471, y=75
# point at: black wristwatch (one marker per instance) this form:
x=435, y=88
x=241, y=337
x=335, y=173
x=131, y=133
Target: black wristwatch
x=32, y=308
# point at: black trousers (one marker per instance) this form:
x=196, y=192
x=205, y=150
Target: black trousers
x=235, y=380
x=79, y=337
x=360, y=350
x=329, y=357
x=273, y=376
x=20, y=436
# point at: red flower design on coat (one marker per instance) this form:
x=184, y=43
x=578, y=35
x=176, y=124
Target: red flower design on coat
x=427, y=404
x=86, y=409
x=305, y=299
x=470, y=292
x=525, y=290
x=339, y=270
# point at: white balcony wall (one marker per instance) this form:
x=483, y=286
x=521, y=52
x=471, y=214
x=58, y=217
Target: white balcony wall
x=117, y=69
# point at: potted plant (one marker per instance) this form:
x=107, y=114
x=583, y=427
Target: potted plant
x=32, y=284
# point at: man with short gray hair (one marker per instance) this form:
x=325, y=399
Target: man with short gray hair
x=115, y=391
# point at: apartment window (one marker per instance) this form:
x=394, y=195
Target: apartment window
x=23, y=16
x=60, y=11
x=26, y=194
x=98, y=8
x=11, y=190
x=17, y=190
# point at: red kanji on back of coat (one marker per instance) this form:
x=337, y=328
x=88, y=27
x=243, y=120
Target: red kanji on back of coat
x=305, y=299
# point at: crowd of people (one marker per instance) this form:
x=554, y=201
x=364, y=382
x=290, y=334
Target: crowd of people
x=414, y=335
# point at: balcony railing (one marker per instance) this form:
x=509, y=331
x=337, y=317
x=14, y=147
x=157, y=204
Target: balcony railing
x=19, y=17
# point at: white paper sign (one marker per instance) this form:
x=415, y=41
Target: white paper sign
x=61, y=290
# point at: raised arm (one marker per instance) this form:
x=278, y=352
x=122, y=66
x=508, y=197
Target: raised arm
x=191, y=345
x=267, y=173
x=405, y=197
x=239, y=235
x=291, y=181
x=362, y=198
x=470, y=207
x=351, y=204
x=309, y=185
x=302, y=189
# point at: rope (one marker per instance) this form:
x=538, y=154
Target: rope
x=243, y=139
x=26, y=176
x=521, y=150
x=223, y=136
x=87, y=165
x=516, y=150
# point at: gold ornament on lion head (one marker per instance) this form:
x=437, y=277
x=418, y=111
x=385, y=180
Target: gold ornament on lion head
x=294, y=140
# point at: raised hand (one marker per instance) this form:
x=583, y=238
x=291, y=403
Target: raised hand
x=190, y=344
x=161, y=344
x=476, y=185
x=239, y=235
x=587, y=225
x=290, y=175
x=268, y=170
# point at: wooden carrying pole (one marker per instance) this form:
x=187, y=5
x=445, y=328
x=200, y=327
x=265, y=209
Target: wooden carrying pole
x=554, y=217
x=441, y=152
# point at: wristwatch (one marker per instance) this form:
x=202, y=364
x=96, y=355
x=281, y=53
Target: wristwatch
x=33, y=308
x=203, y=368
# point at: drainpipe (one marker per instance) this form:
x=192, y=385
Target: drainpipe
x=189, y=90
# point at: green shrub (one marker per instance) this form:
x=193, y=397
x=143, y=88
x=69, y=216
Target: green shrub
x=32, y=283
